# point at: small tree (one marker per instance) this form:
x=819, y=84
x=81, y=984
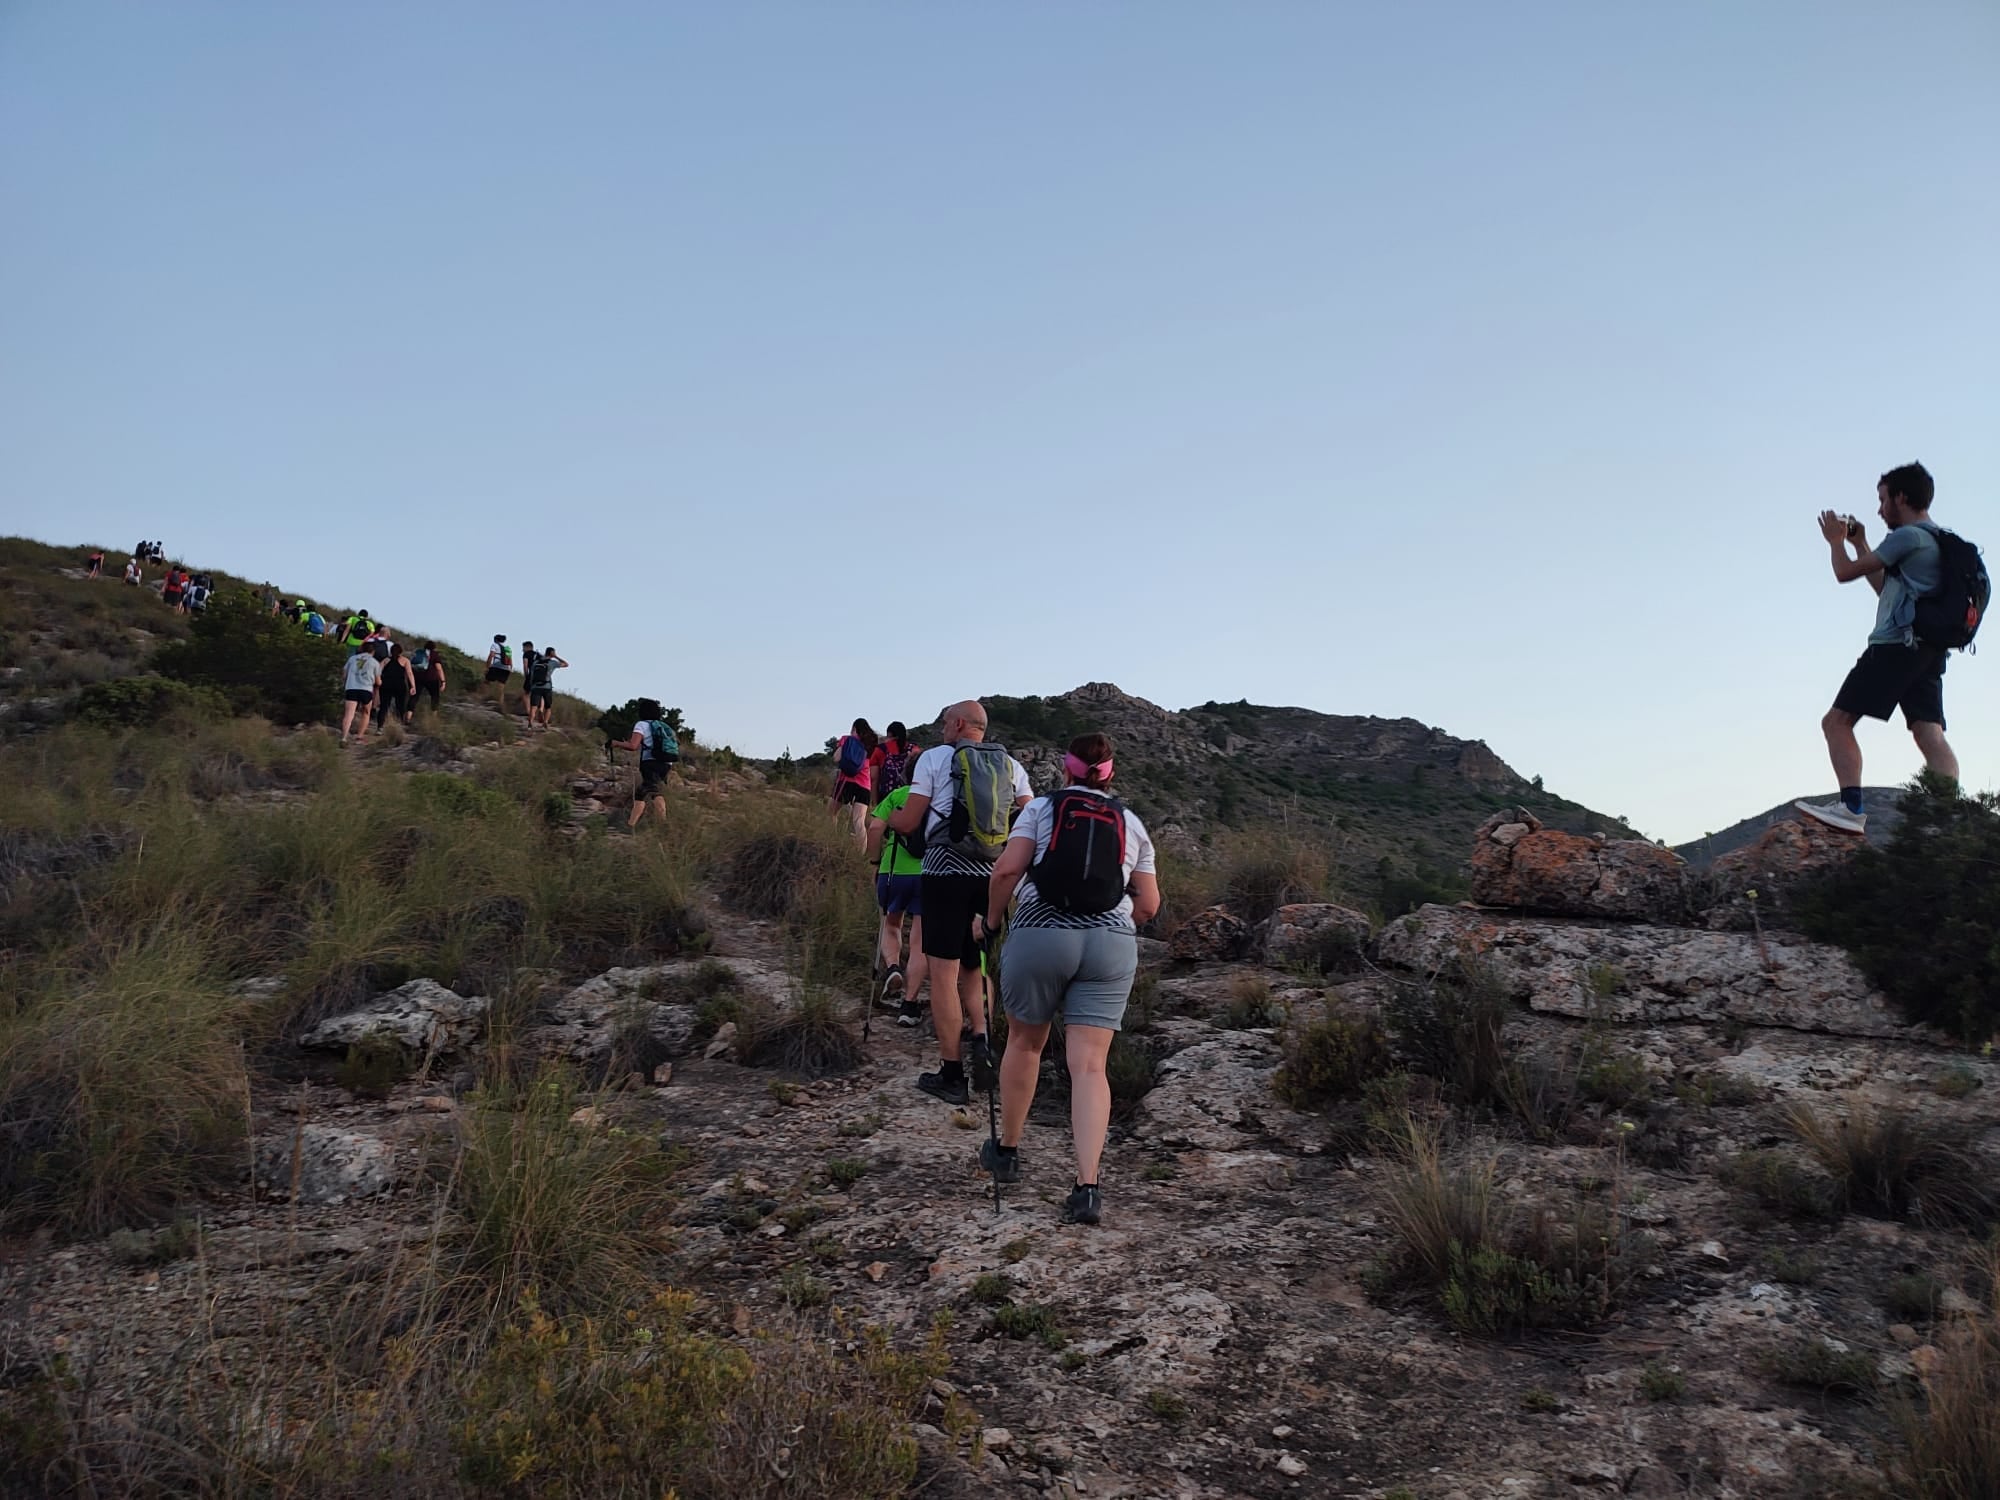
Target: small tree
x=1921, y=914
x=616, y=723
x=261, y=663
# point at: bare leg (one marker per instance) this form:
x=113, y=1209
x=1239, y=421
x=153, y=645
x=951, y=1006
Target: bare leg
x=919, y=967
x=889, y=943
x=1937, y=754
x=946, y=1010
x=1020, y=1071
x=1842, y=746
x=971, y=996
x=1089, y=1095
x=638, y=811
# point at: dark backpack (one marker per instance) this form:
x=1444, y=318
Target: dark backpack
x=1082, y=871
x=895, y=769
x=539, y=673
x=1949, y=615
x=852, y=757
x=662, y=744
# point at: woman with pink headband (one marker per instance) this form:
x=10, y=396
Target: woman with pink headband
x=1079, y=869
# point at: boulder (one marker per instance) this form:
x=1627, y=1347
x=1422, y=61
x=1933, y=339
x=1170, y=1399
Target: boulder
x=421, y=1016
x=1314, y=934
x=1216, y=1093
x=334, y=1166
x=1520, y=864
x=1216, y=935
x=1652, y=974
x=1785, y=856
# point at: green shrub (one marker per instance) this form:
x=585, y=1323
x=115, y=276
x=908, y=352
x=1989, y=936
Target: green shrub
x=1329, y=1059
x=1251, y=1006
x=1817, y=1365
x=845, y=1171
x=1794, y=1268
x=1450, y=1027
x=138, y=702
x=1955, y=1082
x=1273, y=869
x=765, y=874
x=260, y=662
x=1915, y=1298
x=1658, y=1382
x=1921, y=913
x=801, y=1289
x=370, y=1069
x=1895, y=1164
x=812, y=1038
x=155, y=1247
x=1169, y=1406
x=1781, y=1185
x=1030, y=1320
x=991, y=1289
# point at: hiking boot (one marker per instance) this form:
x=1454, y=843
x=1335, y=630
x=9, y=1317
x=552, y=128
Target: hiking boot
x=1005, y=1165
x=912, y=1014
x=951, y=1090
x=979, y=1064
x=1834, y=815
x=1084, y=1205
x=892, y=987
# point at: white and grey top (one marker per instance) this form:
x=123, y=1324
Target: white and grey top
x=1031, y=911
x=931, y=777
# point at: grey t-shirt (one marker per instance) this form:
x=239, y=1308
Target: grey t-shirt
x=363, y=671
x=1909, y=556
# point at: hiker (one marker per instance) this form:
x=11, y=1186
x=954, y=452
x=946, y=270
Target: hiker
x=358, y=683
x=963, y=795
x=659, y=750
x=133, y=575
x=312, y=619
x=356, y=629
x=1897, y=669
x=500, y=666
x=1079, y=868
x=528, y=655
x=273, y=604
x=890, y=762
x=429, y=667
x=94, y=564
x=898, y=893
x=853, y=792
x=198, y=593
x=396, y=694
x=173, y=588
x=541, y=685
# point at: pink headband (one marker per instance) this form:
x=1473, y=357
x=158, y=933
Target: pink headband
x=1084, y=771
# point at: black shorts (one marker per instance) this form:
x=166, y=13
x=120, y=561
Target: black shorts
x=541, y=697
x=1887, y=677
x=653, y=779
x=950, y=903
x=853, y=791
x=497, y=674
x=359, y=695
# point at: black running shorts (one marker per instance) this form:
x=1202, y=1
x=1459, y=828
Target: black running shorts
x=853, y=791
x=653, y=779
x=1888, y=677
x=950, y=904
x=497, y=674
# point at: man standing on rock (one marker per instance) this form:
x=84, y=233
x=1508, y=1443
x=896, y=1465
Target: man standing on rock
x=964, y=794
x=1896, y=670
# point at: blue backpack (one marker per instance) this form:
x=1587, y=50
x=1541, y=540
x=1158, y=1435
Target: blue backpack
x=853, y=756
x=662, y=744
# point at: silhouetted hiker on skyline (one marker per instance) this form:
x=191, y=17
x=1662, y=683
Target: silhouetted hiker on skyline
x=1897, y=669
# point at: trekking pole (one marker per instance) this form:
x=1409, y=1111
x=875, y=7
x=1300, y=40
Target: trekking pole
x=868, y=1000
x=992, y=1089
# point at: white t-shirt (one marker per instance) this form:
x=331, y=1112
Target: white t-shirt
x=363, y=671
x=1037, y=823
x=931, y=777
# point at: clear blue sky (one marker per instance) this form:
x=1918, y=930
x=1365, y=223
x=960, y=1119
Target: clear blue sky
x=1480, y=363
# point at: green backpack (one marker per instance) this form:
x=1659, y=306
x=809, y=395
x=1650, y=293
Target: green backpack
x=982, y=808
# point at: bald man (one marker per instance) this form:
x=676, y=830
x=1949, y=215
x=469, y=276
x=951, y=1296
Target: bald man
x=956, y=879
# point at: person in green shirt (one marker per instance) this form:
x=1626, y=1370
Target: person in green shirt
x=899, y=892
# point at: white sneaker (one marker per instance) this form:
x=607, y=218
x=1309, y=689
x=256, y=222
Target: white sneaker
x=1834, y=815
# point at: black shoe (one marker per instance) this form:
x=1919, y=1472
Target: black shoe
x=912, y=1014
x=951, y=1090
x=1005, y=1165
x=980, y=1065
x=1084, y=1205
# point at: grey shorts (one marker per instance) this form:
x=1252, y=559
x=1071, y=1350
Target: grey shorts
x=1084, y=974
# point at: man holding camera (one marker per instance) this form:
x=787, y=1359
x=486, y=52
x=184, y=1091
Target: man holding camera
x=1896, y=670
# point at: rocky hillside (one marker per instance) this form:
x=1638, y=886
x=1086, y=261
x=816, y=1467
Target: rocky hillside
x=1391, y=790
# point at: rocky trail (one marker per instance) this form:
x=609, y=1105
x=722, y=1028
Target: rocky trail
x=1213, y=1337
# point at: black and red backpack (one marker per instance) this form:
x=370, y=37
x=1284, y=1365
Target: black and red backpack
x=1082, y=871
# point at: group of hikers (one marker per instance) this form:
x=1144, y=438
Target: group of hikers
x=538, y=670
x=963, y=850
x=183, y=592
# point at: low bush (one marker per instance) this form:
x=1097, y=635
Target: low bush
x=1815, y=1364
x=1251, y=1005
x=1658, y=1382
x=1450, y=1026
x=137, y=702
x=764, y=875
x=1279, y=867
x=259, y=662
x=1894, y=1164
x=1914, y=1297
x=1921, y=913
x=1329, y=1058
x=1781, y=1185
x=811, y=1039
x=1950, y=1438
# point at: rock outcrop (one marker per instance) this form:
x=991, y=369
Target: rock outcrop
x=319, y=1165
x=1311, y=933
x=1518, y=863
x=1650, y=973
x=1784, y=857
x=1215, y=935
x=419, y=1017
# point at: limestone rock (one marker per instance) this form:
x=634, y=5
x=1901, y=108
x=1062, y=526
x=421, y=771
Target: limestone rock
x=1652, y=974
x=585, y=1023
x=334, y=1166
x=1311, y=932
x=1517, y=863
x=1785, y=856
x=421, y=1016
x=1216, y=935
x=1217, y=1092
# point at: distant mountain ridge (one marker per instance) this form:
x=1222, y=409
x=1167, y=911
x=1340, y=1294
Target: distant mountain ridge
x=1391, y=793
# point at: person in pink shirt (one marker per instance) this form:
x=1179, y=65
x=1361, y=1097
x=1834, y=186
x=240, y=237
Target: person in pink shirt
x=853, y=780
